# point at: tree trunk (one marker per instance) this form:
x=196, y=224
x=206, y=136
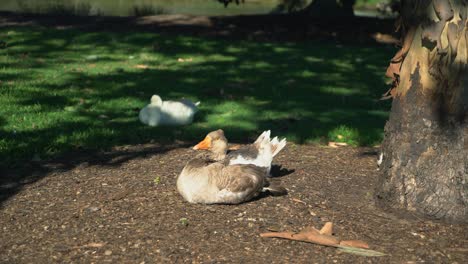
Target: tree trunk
x=425, y=150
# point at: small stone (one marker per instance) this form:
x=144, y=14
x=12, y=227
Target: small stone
x=92, y=209
x=108, y=252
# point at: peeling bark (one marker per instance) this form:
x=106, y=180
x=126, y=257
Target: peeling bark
x=425, y=154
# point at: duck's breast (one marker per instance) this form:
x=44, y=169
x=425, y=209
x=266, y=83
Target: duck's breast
x=195, y=183
x=150, y=115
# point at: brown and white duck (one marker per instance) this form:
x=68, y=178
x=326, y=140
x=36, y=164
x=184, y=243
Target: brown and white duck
x=260, y=153
x=210, y=179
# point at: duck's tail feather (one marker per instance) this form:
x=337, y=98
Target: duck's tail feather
x=275, y=189
x=263, y=138
x=277, y=146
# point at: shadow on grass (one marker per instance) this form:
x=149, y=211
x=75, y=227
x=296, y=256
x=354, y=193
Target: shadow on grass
x=70, y=91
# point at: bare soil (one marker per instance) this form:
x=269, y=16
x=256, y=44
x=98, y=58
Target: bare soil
x=122, y=206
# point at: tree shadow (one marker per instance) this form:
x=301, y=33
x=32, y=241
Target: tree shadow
x=299, y=90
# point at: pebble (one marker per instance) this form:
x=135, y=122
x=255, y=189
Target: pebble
x=92, y=209
x=108, y=252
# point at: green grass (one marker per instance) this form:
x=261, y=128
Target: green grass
x=65, y=90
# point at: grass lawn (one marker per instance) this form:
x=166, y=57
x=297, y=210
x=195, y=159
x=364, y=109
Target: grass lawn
x=63, y=90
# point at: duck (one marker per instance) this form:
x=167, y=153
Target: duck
x=208, y=178
x=160, y=112
x=260, y=153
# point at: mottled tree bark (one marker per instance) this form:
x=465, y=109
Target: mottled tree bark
x=425, y=153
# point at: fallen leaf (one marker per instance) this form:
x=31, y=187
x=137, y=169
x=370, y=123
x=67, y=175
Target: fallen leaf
x=333, y=144
x=91, y=245
x=311, y=237
x=95, y=245
x=360, y=251
x=323, y=237
x=184, y=60
x=141, y=66
x=310, y=229
x=298, y=201
x=327, y=229
x=354, y=243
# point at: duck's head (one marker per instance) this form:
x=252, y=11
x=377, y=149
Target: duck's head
x=156, y=100
x=215, y=141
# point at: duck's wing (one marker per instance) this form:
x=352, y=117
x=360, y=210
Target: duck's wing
x=249, y=152
x=239, y=183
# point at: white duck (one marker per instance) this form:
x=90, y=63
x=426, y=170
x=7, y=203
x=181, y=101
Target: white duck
x=260, y=153
x=160, y=112
x=209, y=179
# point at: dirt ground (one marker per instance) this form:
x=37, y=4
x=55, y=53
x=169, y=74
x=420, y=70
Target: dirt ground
x=123, y=207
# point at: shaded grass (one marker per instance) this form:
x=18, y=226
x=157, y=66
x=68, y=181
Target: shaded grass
x=147, y=10
x=64, y=90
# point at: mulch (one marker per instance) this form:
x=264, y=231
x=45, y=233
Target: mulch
x=122, y=206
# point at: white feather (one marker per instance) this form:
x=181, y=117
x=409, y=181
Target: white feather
x=267, y=149
x=160, y=112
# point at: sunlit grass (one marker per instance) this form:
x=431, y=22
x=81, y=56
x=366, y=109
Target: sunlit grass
x=65, y=90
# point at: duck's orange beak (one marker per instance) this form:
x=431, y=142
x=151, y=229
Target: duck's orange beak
x=205, y=144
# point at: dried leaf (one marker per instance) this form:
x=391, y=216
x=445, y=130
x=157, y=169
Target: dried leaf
x=361, y=252
x=95, y=245
x=310, y=237
x=310, y=229
x=184, y=60
x=354, y=243
x=91, y=245
x=141, y=66
x=333, y=144
x=324, y=237
x=327, y=229
x=298, y=201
